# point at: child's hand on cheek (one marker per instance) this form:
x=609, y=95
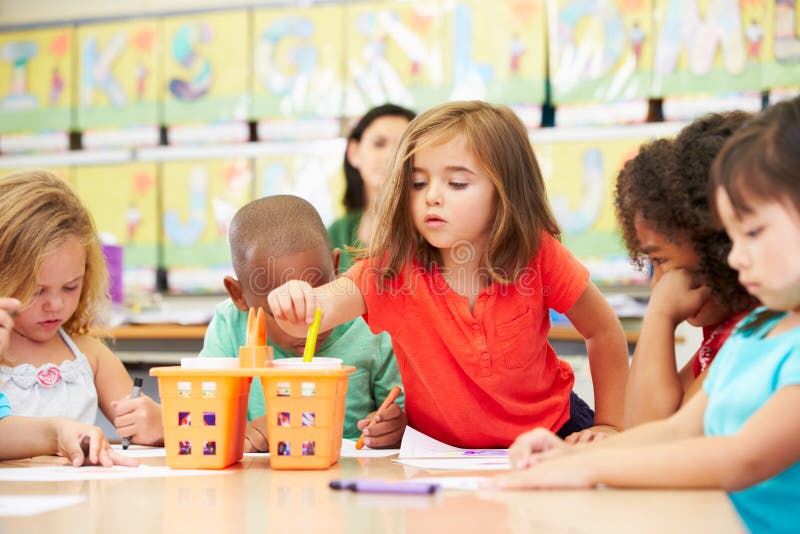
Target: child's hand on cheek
x=387, y=432
x=676, y=296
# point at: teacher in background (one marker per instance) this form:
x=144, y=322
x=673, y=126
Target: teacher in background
x=370, y=147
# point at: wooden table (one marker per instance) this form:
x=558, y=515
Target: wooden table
x=250, y=497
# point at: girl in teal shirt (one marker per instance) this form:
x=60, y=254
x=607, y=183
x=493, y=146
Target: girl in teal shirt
x=742, y=432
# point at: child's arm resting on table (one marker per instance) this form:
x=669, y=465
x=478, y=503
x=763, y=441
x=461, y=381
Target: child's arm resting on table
x=540, y=444
x=24, y=437
x=139, y=418
x=607, y=349
x=294, y=302
x=766, y=445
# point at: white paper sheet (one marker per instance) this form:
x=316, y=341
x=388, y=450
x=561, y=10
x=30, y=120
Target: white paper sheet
x=415, y=444
x=455, y=483
x=60, y=473
x=349, y=451
x=140, y=451
x=18, y=505
x=458, y=464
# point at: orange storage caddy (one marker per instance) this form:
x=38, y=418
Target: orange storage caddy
x=305, y=415
x=204, y=413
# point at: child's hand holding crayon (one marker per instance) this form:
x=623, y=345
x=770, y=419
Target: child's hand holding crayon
x=293, y=305
x=384, y=428
x=139, y=419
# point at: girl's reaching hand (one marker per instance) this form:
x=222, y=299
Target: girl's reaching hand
x=293, y=305
x=535, y=445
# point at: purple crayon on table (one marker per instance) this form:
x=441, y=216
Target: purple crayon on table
x=386, y=486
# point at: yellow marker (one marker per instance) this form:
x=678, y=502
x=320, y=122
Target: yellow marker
x=311, y=339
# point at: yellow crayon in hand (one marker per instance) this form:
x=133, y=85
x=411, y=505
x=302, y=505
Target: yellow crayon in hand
x=311, y=339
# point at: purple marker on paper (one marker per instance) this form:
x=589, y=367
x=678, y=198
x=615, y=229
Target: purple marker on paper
x=486, y=452
x=387, y=486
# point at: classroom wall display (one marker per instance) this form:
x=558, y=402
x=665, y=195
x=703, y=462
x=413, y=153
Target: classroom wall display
x=708, y=47
x=506, y=67
x=199, y=199
x=396, y=52
x=36, y=80
x=123, y=200
x=298, y=62
x=118, y=78
x=599, y=51
x=312, y=171
x=206, y=67
x=580, y=177
x=781, y=66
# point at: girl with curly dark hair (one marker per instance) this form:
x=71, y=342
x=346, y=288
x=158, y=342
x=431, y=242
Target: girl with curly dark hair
x=663, y=209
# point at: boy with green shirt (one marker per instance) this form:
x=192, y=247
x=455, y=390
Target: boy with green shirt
x=279, y=238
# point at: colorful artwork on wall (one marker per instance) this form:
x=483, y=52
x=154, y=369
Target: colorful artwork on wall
x=36, y=80
x=118, y=78
x=298, y=62
x=206, y=67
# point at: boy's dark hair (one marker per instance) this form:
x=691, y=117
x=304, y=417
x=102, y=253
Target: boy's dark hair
x=282, y=224
x=354, y=190
x=667, y=184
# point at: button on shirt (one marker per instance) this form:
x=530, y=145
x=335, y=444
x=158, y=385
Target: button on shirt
x=478, y=378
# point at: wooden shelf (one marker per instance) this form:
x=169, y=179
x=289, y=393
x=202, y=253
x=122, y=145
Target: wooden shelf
x=154, y=331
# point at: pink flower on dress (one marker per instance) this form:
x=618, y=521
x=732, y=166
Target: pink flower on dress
x=49, y=377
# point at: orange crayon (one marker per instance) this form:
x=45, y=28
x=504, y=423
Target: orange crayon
x=390, y=398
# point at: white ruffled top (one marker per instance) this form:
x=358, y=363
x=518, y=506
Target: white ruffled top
x=65, y=390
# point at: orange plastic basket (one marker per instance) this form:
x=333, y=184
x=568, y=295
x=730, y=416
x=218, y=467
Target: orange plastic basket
x=204, y=413
x=305, y=416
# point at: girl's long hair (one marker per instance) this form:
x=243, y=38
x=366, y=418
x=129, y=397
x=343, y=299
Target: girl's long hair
x=499, y=142
x=38, y=211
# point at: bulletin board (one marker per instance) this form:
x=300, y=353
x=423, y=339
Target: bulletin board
x=200, y=198
x=708, y=47
x=781, y=54
x=123, y=200
x=503, y=67
x=396, y=52
x=298, y=62
x=118, y=78
x=315, y=175
x=599, y=51
x=206, y=67
x=36, y=80
x=580, y=177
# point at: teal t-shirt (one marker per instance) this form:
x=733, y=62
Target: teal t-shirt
x=5, y=407
x=344, y=232
x=371, y=355
x=748, y=370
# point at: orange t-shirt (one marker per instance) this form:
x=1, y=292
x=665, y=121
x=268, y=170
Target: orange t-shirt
x=481, y=378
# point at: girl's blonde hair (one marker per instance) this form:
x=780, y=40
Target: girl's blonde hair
x=499, y=142
x=38, y=211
